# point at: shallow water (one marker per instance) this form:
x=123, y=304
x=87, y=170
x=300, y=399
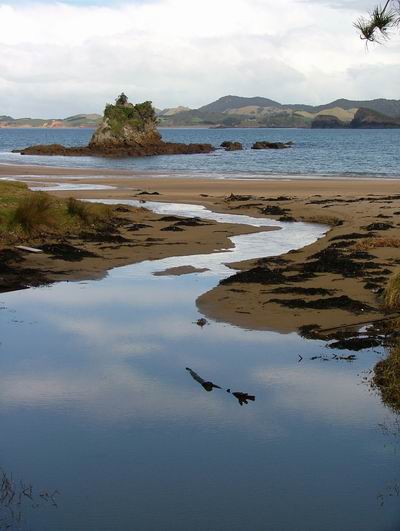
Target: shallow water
x=96, y=403
x=316, y=153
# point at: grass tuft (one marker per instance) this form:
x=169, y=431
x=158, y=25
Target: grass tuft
x=392, y=293
x=79, y=209
x=27, y=215
x=33, y=212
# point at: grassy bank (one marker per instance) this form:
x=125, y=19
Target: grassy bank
x=387, y=379
x=29, y=216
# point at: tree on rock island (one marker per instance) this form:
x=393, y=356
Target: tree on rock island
x=122, y=100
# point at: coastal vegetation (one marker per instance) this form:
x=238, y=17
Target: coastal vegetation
x=25, y=214
x=392, y=294
x=136, y=116
x=387, y=378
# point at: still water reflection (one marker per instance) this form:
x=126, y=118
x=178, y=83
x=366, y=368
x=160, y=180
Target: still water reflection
x=95, y=402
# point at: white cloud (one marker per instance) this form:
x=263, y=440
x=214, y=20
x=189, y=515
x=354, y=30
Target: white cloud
x=58, y=59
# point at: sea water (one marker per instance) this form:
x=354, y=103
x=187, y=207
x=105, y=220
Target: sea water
x=316, y=153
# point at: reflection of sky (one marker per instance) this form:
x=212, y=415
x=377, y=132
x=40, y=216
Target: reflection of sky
x=95, y=401
x=258, y=245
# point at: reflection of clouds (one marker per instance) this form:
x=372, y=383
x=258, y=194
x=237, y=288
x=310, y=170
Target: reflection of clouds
x=106, y=293
x=123, y=394
x=328, y=395
x=147, y=334
x=112, y=338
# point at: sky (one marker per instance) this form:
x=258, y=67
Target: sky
x=59, y=58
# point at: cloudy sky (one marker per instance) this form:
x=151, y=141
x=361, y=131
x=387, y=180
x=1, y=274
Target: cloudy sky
x=66, y=57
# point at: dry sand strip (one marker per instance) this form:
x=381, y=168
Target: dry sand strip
x=336, y=281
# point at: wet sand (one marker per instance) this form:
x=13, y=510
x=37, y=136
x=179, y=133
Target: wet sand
x=334, y=282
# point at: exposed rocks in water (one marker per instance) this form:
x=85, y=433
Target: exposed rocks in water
x=355, y=343
x=242, y=398
x=271, y=145
x=310, y=331
x=231, y=146
x=126, y=130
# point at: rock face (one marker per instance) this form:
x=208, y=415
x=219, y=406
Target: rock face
x=271, y=145
x=126, y=130
x=231, y=146
x=369, y=119
x=127, y=125
x=326, y=121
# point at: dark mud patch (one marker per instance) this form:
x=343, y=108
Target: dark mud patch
x=333, y=261
x=274, y=210
x=303, y=291
x=192, y=222
x=257, y=275
x=103, y=237
x=236, y=197
x=133, y=227
x=67, y=252
x=379, y=226
x=344, y=302
x=353, y=236
x=172, y=228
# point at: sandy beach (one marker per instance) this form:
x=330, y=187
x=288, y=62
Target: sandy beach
x=337, y=281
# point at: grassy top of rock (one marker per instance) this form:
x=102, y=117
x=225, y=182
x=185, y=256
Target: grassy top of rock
x=136, y=116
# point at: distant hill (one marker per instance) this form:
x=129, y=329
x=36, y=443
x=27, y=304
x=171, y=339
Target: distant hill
x=235, y=111
x=79, y=120
x=387, y=107
x=172, y=111
x=369, y=119
x=236, y=102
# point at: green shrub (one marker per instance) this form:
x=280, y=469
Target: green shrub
x=134, y=115
x=392, y=293
x=33, y=212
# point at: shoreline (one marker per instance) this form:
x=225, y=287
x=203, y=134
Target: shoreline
x=334, y=282
x=37, y=170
